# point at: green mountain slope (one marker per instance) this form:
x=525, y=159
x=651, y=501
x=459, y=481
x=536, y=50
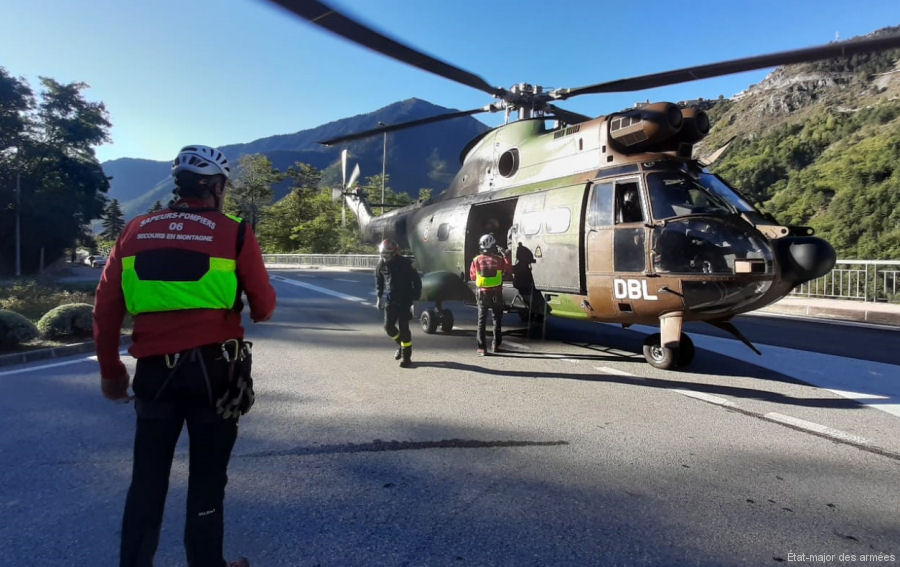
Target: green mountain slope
x=818, y=144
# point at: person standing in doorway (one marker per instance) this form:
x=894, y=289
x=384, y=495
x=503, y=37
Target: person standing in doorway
x=487, y=271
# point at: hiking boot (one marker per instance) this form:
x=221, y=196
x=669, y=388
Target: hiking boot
x=399, y=353
x=480, y=351
x=242, y=562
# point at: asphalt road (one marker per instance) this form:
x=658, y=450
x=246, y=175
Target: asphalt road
x=571, y=451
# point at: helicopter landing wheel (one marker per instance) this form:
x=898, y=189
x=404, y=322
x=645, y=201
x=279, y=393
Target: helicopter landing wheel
x=668, y=358
x=429, y=321
x=446, y=320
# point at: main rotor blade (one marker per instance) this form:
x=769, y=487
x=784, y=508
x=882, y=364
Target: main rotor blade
x=842, y=49
x=332, y=20
x=410, y=124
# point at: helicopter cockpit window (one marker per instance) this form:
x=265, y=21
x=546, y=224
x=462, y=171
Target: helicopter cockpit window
x=674, y=194
x=725, y=191
x=600, y=212
x=628, y=203
x=443, y=232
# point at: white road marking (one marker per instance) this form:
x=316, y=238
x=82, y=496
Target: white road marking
x=344, y=280
x=54, y=364
x=873, y=384
x=709, y=398
x=318, y=289
x=816, y=428
x=613, y=371
x=857, y=395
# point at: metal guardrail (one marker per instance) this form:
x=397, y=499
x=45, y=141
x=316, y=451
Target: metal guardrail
x=859, y=280
x=339, y=260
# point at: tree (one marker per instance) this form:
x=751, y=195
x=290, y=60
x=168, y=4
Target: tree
x=251, y=189
x=372, y=188
x=113, y=220
x=47, y=145
x=276, y=228
x=157, y=206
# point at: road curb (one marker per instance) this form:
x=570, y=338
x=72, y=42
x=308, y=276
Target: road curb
x=876, y=315
x=52, y=352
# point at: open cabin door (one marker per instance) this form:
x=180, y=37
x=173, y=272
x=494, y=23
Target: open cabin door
x=495, y=217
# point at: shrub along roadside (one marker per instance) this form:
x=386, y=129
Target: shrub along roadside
x=15, y=329
x=26, y=303
x=33, y=299
x=74, y=320
x=70, y=304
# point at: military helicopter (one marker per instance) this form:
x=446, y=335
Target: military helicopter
x=611, y=219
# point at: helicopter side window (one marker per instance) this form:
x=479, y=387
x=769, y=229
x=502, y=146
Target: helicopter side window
x=531, y=223
x=628, y=203
x=558, y=220
x=600, y=210
x=443, y=232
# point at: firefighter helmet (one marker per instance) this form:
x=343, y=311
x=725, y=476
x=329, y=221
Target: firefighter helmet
x=487, y=242
x=388, y=248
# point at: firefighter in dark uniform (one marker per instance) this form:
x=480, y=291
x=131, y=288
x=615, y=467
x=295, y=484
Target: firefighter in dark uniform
x=487, y=271
x=397, y=285
x=180, y=272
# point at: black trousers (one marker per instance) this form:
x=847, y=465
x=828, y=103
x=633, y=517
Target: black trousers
x=396, y=322
x=489, y=300
x=165, y=401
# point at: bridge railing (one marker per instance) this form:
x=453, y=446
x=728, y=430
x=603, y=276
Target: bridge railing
x=860, y=280
x=337, y=260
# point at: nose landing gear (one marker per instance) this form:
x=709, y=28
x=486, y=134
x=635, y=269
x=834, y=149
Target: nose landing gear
x=668, y=357
x=669, y=349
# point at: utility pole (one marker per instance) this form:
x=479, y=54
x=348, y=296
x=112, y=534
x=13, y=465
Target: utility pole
x=18, y=227
x=383, y=161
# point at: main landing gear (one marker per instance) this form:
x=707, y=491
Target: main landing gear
x=436, y=317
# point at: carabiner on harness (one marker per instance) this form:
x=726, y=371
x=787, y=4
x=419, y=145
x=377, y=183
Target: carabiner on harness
x=236, y=348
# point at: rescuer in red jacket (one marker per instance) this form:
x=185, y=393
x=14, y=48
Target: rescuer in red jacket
x=181, y=272
x=487, y=271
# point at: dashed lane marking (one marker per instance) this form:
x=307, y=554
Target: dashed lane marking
x=816, y=428
x=792, y=422
x=705, y=397
x=613, y=371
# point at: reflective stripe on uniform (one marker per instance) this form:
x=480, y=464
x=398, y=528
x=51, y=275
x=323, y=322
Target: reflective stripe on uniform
x=215, y=289
x=483, y=280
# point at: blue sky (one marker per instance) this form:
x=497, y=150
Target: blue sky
x=216, y=72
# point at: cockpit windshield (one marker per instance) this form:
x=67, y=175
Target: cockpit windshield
x=723, y=190
x=675, y=194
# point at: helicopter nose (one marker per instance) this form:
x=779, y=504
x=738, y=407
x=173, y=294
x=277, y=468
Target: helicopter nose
x=804, y=258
